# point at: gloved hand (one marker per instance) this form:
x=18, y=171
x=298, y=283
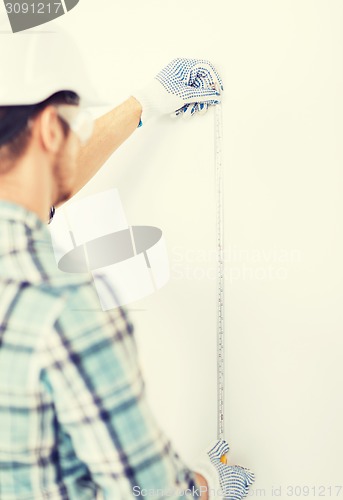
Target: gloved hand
x=224, y=481
x=184, y=86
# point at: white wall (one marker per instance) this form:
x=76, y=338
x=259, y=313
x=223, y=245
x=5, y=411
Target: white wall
x=281, y=62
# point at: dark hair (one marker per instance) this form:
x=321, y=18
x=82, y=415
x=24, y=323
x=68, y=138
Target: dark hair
x=14, y=134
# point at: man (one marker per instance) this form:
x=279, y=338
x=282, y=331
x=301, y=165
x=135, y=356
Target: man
x=74, y=419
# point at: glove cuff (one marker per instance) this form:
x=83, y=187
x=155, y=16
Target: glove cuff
x=204, y=466
x=156, y=100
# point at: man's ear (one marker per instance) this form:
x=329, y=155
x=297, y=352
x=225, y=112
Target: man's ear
x=50, y=129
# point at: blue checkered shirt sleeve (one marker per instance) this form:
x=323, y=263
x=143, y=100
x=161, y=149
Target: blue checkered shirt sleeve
x=92, y=374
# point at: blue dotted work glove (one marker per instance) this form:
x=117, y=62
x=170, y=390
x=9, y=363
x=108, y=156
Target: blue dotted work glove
x=230, y=482
x=183, y=87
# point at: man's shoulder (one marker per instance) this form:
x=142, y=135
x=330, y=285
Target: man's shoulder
x=79, y=314
x=34, y=308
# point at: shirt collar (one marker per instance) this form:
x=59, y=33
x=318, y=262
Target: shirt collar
x=10, y=211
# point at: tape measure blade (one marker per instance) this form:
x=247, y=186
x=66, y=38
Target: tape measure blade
x=220, y=270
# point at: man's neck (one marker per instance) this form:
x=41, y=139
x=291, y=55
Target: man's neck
x=28, y=183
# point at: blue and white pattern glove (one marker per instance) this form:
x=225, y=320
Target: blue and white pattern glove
x=230, y=482
x=183, y=87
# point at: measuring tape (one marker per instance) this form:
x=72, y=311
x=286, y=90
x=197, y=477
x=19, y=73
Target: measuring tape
x=219, y=185
x=220, y=268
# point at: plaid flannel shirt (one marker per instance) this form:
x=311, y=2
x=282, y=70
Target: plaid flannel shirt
x=74, y=418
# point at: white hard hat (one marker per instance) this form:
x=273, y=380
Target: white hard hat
x=36, y=65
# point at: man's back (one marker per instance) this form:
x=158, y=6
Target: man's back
x=73, y=412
